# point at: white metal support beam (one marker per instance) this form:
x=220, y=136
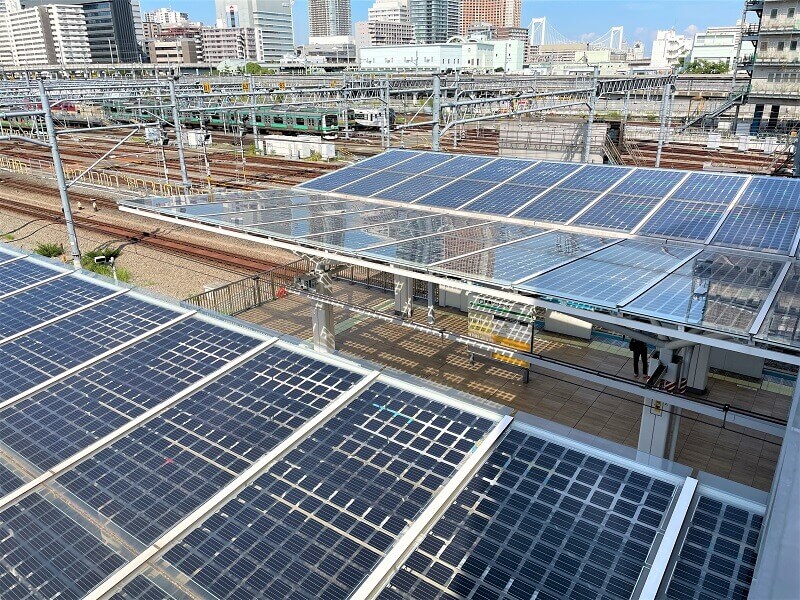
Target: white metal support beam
x=109, y=586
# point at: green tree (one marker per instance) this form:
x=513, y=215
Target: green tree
x=705, y=67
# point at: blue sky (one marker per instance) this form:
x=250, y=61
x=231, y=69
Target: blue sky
x=576, y=19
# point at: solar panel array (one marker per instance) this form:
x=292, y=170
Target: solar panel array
x=152, y=419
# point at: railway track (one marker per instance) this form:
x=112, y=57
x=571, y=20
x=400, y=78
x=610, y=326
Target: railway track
x=152, y=238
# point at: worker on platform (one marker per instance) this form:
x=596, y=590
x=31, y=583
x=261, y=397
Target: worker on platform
x=639, y=349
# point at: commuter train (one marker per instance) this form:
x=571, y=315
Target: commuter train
x=289, y=120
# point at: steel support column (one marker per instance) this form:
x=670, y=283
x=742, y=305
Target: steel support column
x=403, y=295
x=437, y=109
x=176, y=121
x=587, y=142
x=323, y=323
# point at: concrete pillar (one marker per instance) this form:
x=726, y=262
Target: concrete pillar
x=654, y=430
x=403, y=295
x=323, y=324
x=774, y=113
x=431, y=316
x=695, y=368
x=758, y=115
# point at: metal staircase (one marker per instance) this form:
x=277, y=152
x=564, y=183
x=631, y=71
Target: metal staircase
x=735, y=99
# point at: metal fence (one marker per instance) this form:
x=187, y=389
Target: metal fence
x=252, y=292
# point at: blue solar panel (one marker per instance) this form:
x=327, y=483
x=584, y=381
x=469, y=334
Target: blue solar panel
x=771, y=193
x=47, y=301
x=389, y=158
x=546, y=174
x=647, y=182
x=331, y=181
x=457, y=193
x=141, y=588
x=501, y=170
x=540, y=519
x=706, y=187
x=413, y=189
x=421, y=162
x=718, y=554
x=318, y=521
x=692, y=221
x=594, y=178
x=52, y=425
x=46, y=352
x=149, y=480
x=373, y=183
x=505, y=199
x=22, y=273
x=459, y=166
x=557, y=205
x=611, y=275
x=616, y=211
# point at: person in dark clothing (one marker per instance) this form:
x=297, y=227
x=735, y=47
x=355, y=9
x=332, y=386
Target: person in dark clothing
x=639, y=350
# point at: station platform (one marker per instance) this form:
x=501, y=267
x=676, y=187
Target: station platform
x=746, y=457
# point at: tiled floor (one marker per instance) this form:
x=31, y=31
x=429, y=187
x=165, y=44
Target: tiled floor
x=702, y=443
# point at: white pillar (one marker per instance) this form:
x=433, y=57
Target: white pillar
x=323, y=324
x=654, y=429
x=403, y=295
x=695, y=361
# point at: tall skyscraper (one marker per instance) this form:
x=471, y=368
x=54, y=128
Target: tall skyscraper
x=434, y=20
x=499, y=13
x=272, y=20
x=327, y=18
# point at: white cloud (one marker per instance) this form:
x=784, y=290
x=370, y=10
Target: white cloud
x=588, y=37
x=691, y=30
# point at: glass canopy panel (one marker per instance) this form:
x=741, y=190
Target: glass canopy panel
x=303, y=211
x=765, y=218
x=505, y=199
x=331, y=181
x=435, y=248
x=713, y=290
x=594, y=178
x=288, y=200
x=388, y=232
x=678, y=219
x=617, y=211
x=782, y=324
x=557, y=205
x=525, y=259
x=220, y=198
x=413, y=188
x=611, y=275
x=546, y=174
x=457, y=193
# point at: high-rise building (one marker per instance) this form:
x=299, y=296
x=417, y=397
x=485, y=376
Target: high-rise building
x=499, y=13
x=166, y=16
x=329, y=18
x=110, y=25
x=669, y=49
x=228, y=43
x=435, y=21
x=52, y=34
x=271, y=19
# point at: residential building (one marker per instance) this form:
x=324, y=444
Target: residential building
x=173, y=52
x=771, y=55
x=390, y=11
x=512, y=33
x=669, y=49
x=471, y=55
x=271, y=19
x=138, y=26
x=635, y=52
x=329, y=18
x=53, y=34
x=435, y=21
x=110, y=25
x=383, y=33
x=499, y=13
x=717, y=44
x=166, y=16
x=7, y=6
x=231, y=43
x=151, y=30
x=334, y=50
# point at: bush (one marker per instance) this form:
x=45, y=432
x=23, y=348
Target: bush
x=87, y=262
x=50, y=250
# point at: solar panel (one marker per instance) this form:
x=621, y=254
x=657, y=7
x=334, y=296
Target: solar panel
x=505, y=199
x=44, y=353
x=424, y=251
x=457, y=193
x=47, y=301
x=711, y=188
x=21, y=273
x=610, y=275
x=149, y=480
x=141, y=588
x=319, y=520
x=422, y=162
x=372, y=184
x=55, y=423
x=523, y=260
x=617, y=211
x=720, y=291
x=692, y=221
x=764, y=218
x=413, y=188
x=718, y=553
x=544, y=174
x=459, y=166
x=331, y=181
x=556, y=206
x=540, y=519
x=594, y=178
x=782, y=323
x=649, y=182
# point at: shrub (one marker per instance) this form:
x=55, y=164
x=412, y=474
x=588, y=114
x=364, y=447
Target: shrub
x=88, y=263
x=50, y=250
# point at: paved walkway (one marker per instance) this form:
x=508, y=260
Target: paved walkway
x=702, y=443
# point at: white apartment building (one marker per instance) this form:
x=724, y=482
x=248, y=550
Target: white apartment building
x=50, y=34
x=232, y=43
x=383, y=33
x=476, y=56
x=669, y=49
x=165, y=16
x=717, y=44
x=390, y=11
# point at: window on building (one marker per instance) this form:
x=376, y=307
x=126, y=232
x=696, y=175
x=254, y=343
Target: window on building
x=790, y=13
x=764, y=46
x=773, y=14
x=781, y=46
x=793, y=46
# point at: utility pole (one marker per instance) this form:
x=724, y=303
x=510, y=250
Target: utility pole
x=665, y=96
x=797, y=155
x=253, y=110
x=437, y=109
x=587, y=142
x=387, y=124
x=176, y=119
x=58, y=167
x=346, y=97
